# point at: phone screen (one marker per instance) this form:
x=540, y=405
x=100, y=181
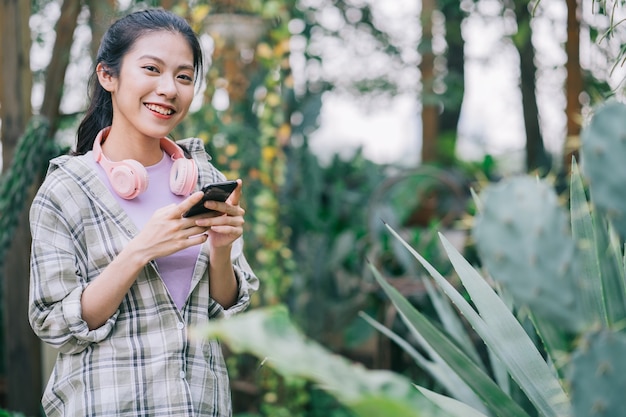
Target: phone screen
x=214, y=192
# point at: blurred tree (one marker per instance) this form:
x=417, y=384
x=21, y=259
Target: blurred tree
x=536, y=155
x=585, y=84
x=55, y=72
x=377, y=59
x=453, y=80
x=23, y=354
x=15, y=75
x=21, y=357
x=430, y=102
x=101, y=13
x=442, y=79
x=574, y=86
x=593, y=76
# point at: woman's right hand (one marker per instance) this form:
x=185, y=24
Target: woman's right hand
x=167, y=231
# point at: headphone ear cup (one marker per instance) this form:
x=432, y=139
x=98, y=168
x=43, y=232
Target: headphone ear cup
x=183, y=176
x=128, y=178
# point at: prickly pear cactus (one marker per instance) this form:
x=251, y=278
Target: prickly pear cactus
x=603, y=162
x=522, y=236
x=598, y=375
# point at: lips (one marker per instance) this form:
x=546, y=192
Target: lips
x=165, y=111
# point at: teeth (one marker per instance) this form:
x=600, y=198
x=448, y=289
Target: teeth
x=159, y=109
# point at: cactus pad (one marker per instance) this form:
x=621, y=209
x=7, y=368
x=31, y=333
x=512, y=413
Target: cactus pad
x=597, y=375
x=523, y=237
x=603, y=155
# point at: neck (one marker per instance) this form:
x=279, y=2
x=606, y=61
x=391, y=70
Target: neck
x=145, y=150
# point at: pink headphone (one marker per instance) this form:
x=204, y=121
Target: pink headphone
x=129, y=178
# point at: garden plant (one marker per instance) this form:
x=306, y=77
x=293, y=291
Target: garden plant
x=548, y=301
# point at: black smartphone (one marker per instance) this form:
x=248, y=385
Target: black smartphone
x=218, y=191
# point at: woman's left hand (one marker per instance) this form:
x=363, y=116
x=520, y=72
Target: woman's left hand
x=224, y=229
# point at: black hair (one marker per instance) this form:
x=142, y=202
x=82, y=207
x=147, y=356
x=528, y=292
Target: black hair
x=116, y=42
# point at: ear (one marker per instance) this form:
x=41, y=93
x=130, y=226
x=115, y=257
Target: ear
x=105, y=78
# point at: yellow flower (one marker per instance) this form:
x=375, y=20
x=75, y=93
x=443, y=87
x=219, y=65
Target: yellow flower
x=269, y=153
x=272, y=100
x=199, y=12
x=264, y=51
x=231, y=149
x=284, y=133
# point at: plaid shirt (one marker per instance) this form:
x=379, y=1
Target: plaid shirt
x=140, y=362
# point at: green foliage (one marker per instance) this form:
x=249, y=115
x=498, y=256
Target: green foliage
x=268, y=333
x=326, y=217
x=33, y=151
x=568, y=279
x=561, y=274
x=247, y=139
x=6, y=413
x=451, y=354
x=416, y=202
x=267, y=393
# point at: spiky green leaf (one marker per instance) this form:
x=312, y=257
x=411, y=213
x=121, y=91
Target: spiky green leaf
x=495, y=399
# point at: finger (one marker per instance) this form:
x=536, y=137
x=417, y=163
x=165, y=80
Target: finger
x=236, y=194
x=193, y=231
x=194, y=198
x=224, y=208
x=227, y=230
x=194, y=239
x=229, y=215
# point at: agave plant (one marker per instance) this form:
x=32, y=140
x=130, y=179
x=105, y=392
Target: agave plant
x=562, y=272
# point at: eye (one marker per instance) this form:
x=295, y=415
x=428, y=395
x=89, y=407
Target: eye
x=151, y=68
x=186, y=78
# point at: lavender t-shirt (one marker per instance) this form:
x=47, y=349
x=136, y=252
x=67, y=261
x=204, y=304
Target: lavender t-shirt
x=176, y=270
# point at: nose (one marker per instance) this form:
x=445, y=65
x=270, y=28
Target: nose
x=167, y=87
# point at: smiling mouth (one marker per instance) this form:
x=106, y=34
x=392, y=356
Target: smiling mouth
x=160, y=109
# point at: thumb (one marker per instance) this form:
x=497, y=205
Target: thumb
x=235, y=197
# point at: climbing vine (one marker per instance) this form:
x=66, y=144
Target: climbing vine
x=32, y=154
x=247, y=139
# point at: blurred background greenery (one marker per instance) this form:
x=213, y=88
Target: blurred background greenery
x=313, y=221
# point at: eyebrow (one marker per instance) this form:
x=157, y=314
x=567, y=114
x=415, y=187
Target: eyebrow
x=160, y=61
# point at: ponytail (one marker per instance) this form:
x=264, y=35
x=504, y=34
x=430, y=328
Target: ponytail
x=98, y=116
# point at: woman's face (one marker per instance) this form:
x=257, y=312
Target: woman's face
x=155, y=86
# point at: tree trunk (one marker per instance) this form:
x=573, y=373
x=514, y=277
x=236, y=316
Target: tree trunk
x=55, y=73
x=22, y=353
x=53, y=93
x=101, y=15
x=536, y=156
x=23, y=348
x=15, y=75
x=455, y=79
x=573, y=86
x=430, y=103
x=168, y=4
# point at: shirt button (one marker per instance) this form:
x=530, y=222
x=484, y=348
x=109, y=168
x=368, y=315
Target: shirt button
x=182, y=374
x=180, y=325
